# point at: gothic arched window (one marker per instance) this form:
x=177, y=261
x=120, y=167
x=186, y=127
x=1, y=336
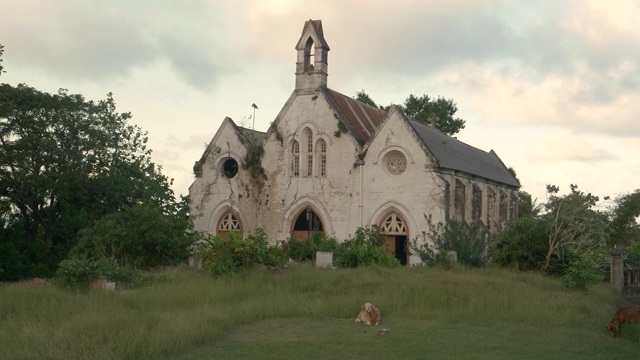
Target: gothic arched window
x=295, y=161
x=393, y=224
x=322, y=158
x=228, y=222
x=309, y=134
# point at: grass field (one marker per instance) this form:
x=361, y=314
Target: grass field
x=306, y=313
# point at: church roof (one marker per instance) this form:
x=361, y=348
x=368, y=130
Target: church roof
x=453, y=154
x=362, y=121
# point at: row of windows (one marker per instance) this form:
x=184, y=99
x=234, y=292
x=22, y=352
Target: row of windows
x=309, y=220
x=310, y=156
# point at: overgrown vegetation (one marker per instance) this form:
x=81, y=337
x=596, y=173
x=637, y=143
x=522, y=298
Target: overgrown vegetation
x=140, y=236
x=233, y=253
x=65, y=164
x=253, y=156
x=568, y=240
x=365, y=248
x=342, y=128
x=256, y=314
x=79, y=273
x=305, y=250
x=468, y=241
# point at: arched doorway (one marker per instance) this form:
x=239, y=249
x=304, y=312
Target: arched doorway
x=228, y=222
x=395, y=236
x=306, y=223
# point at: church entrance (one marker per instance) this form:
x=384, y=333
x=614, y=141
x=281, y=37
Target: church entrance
x=395, y=237
x=306, y=224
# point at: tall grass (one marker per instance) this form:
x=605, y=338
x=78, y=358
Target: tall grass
x=190, y=309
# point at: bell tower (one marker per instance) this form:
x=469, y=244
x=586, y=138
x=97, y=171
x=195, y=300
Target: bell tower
x=311, y=66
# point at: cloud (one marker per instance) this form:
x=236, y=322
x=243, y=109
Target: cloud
x=566, y=145
x=95, y=42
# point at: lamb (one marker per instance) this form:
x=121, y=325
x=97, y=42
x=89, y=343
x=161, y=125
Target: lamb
x=369, y=314
x=624, y=315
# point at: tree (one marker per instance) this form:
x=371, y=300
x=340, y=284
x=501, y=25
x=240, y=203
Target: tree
x=66, y=162
x=575, y=229
x=526, y=206
x=569, y=240
x=364, y=98
x=624, y=227
x=438, y=112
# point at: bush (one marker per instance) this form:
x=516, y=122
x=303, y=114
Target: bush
x=468, y=241
x=522, y=245
x=78, y=273
x=233, y=253
x=141, y=236
x=302, y=250
x=366, y=248
x=581, y=273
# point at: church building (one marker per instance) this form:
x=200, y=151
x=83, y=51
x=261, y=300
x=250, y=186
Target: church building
x=332, y=164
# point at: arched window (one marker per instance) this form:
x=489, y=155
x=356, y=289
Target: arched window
x=228, y=222
x=393, y=224
x=309, y=152
x=295, y=161
x=322, y=158
x=306, y=224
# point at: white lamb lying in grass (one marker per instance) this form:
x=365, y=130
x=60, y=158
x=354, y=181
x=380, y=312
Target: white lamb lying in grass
x=369, y=314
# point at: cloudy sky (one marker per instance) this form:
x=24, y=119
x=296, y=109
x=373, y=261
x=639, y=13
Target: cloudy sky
x=552, y=86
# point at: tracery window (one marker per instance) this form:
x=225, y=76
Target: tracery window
x=322, y=146
x=393, y=224
x=395, y=162
x=309, y=152
x=228, y=222
x=295, y=162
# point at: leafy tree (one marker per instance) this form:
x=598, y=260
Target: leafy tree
x=624, y=227
x=364, y=98
x=526, y=206
x=569, y=240
x=575, y=229
x=141, y=236
x=439, y=112
x=64, y=163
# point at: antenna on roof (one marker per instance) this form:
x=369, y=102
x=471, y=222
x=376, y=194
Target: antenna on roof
x=254, y=106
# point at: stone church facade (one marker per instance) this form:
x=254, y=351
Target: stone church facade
x=333, y=164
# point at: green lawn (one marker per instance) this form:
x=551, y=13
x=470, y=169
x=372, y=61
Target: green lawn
x=308, y=313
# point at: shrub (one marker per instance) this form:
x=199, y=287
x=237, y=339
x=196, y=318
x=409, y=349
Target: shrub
x=78, y=273
x=302, y=250
x=233, y=253
x=141, y=236
x=366, y=248
x=581, y=273
x=468, y=241
x=522, y=245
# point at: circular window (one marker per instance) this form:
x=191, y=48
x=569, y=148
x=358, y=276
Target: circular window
x=395, y=162
x=230, y=168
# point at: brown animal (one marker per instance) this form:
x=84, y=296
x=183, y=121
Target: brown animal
x=624, y=315
x=369, y=314
x=37, y=282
